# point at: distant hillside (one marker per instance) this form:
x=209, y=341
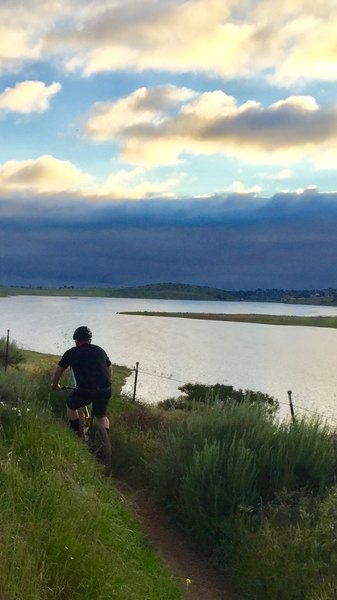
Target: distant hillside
x=165, y=291
x=173, y=291
x=181, y=291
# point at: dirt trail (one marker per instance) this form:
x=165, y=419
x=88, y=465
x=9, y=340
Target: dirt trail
x=176, y=551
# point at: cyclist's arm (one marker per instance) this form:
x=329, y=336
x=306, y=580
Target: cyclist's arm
x=56, y=378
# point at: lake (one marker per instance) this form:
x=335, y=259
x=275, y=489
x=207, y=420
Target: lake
x=172, y=351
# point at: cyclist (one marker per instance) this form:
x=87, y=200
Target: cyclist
x=92, y=372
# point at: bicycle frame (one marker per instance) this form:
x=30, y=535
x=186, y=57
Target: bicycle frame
x=86, y=421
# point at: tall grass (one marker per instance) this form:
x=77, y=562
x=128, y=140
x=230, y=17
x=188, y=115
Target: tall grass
x=64, y=531
x=16, y=388
x=219, y=460
x=296, y=560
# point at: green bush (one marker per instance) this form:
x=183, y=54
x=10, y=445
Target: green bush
x=218, y=460
x=219, y=393
x=220, y=479
x=14, y=356
x=189, y=434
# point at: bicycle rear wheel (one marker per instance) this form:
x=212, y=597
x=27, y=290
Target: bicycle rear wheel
x=100, y=446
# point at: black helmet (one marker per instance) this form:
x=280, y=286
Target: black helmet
x=82, y=333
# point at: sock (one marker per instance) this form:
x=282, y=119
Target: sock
x=75, y=426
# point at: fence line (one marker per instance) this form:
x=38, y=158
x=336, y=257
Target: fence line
x=294, y=406
x=137, y=370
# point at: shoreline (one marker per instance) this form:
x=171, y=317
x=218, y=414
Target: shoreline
x=244, y=318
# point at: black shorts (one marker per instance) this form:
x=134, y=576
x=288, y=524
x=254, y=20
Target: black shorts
x=99, y=399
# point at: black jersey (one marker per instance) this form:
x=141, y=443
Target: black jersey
x=90, y=366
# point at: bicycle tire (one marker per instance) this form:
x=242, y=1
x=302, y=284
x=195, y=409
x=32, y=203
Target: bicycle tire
x=99, y=444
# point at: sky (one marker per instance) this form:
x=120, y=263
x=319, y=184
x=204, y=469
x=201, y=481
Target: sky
x=147, y=141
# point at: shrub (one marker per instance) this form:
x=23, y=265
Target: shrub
x=223, y=459
x=15, y=355
x=189, y=434
x=221, y=477
x=218, y=393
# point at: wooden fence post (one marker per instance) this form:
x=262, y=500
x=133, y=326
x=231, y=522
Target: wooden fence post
x=291, y=406
x=135, y=383
x=7, y=351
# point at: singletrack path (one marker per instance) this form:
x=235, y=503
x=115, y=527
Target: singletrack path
x=176, y=551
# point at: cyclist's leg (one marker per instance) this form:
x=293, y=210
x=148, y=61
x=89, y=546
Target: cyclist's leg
x=103, y=421
x=74, y=401
x=99, y=408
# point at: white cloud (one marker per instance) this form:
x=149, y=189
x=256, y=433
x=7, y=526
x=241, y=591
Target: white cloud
x=47, y=175
x=132, y=185
x=240, y=188
x=28, y=96
x=212, y=36
x=43, y=175
x=143, y=106
x=155, y=128
x=215, y=37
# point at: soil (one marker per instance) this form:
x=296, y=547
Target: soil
x=199, y=579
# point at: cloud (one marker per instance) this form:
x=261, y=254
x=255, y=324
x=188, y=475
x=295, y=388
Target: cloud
x=217, y=38
x=160, y=125
x=44, y=175
x=23, y=27
x=240, y=188
x=143, y=106
x=227, y=39
x=132, y=185
x=28, y=96
x=232, y=242
x=48, y=175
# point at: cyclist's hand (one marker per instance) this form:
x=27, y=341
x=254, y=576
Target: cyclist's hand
x=56, y=387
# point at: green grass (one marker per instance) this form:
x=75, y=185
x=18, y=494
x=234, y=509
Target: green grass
x=65, y=532
x=258, y=493
x=292, y=560
x=249, y=318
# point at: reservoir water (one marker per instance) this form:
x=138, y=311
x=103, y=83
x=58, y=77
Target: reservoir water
x=171, y=351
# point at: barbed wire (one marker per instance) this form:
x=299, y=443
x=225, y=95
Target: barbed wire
x=296, y=406
x=161, y=376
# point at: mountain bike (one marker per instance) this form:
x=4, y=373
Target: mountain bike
x=95, y=435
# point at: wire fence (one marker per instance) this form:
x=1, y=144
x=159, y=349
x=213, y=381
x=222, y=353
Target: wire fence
x=290, y=405
x=293, y=407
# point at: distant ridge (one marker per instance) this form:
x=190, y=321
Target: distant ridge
x=173, y=291
x=182, y=291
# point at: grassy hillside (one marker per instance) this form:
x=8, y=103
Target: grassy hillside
x=167, y=291
x=65, y=532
